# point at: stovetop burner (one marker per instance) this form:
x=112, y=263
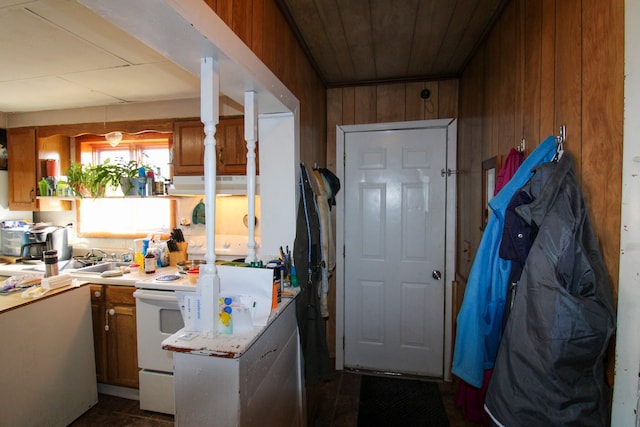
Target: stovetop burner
x=168, y=278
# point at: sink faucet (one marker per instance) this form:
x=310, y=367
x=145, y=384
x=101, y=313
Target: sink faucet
x=127, y=256
x=94, y=253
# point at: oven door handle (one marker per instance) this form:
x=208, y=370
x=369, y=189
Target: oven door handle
x=171, y=296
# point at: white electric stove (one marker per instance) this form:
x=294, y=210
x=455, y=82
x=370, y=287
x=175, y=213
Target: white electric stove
x=158, y=317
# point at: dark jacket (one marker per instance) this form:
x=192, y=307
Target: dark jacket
x=307, y=258
x=549, y=369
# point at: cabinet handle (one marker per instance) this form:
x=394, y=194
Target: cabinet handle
x=31, y=193
x=97, y=294
x=108, y=312
x=220, y=157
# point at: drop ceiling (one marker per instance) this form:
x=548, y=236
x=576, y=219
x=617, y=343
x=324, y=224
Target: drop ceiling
x=58, y=54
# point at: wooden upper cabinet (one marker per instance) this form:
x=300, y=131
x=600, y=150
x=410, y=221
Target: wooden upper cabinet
x=22, y=160
x=188, y=147
x=231, y=148
x=27, y=159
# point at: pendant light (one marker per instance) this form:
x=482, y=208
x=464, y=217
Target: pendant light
x=114, y=138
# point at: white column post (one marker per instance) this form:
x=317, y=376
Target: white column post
x=208, y=286
x=250, y=135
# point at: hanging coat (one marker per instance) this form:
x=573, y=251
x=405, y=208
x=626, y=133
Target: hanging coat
x=479, y=322
x=307, y=256
x=549, y=369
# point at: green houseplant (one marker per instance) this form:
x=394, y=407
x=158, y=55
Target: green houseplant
x=76, y=179
x=93, y=180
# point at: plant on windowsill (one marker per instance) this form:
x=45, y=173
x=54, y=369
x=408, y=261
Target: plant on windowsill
x=76, y=179
x=95, y=180
x=129, y=176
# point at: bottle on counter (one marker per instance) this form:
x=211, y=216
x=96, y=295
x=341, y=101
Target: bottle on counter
x=277, y=283
x=150, y=262
x=150, y=179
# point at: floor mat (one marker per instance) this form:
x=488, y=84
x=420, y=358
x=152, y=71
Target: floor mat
x=392, y=401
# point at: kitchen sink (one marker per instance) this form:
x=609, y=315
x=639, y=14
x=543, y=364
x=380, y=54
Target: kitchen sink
x=102, y=267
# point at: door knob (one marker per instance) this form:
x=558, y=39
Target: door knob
x=436, y=274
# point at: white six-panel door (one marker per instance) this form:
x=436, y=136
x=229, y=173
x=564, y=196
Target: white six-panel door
x=394, y=250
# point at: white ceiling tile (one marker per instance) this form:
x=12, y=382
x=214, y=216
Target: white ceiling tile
x=137, y=83
x=32, y=47
x=87, y=25
x=41, y=93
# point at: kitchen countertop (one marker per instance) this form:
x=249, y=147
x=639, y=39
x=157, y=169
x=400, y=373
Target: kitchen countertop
x=15, y=300
x=224, y=345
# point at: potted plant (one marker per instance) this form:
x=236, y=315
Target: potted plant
x=100, y=177
x=76, y=179
x=129, y=173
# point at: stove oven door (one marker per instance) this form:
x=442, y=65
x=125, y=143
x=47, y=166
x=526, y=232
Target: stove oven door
x=158, y=317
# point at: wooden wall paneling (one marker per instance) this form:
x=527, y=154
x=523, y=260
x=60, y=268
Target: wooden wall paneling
x=365, y=104
x=348, y=106
x=531, y=75
x=269, y=44
x=508, y=79
x=519, y=74
x=334, y=115
x=547, y=70
x=241, y=18
x=475, y=152
x=390, y=100
x=568, y=69
x=431, y=106
x=492, y=95
x=446, y=101
x=602, y=116
x=224, y=9
x=257, y=26
x=413, y=103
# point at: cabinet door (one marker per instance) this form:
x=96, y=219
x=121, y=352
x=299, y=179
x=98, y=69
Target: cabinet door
x=98, y=315
x=188, y=147
x=21, y=152
x=122, y=347
x=231, y=147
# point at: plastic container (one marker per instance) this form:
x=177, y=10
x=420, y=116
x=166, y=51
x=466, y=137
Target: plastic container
x=134, y=268
x=193, y=275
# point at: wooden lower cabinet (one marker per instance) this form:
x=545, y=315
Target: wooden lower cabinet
x=113, y=308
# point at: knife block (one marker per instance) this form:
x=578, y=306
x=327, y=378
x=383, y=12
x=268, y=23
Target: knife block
x=180, y=255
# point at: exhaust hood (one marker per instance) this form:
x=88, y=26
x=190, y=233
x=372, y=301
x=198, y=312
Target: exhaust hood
x=225, y=184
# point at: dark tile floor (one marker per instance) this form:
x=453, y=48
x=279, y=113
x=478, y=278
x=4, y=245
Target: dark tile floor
x=330, y=404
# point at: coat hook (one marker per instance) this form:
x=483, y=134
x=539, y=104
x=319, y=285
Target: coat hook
x=522, y=145
x=562, y=138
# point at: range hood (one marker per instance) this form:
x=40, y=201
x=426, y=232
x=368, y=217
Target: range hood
x=225, y=184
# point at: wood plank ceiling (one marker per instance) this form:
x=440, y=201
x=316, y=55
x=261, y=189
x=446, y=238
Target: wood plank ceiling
x=369, y=41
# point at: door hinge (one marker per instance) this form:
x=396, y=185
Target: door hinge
x=448, y=172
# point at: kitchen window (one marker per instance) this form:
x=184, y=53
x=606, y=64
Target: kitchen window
x=117, y=216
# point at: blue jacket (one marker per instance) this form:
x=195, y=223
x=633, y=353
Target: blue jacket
x=479, y=322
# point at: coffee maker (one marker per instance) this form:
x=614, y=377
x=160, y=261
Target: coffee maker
x=46, y=238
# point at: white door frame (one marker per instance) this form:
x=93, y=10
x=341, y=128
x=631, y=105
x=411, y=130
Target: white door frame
x=451, y=194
